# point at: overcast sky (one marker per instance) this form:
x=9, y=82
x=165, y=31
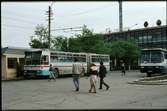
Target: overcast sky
x=19, y=19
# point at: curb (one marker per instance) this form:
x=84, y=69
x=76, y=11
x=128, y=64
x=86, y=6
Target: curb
x=157, y=82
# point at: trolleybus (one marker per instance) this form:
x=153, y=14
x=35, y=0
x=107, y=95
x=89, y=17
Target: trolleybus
x=37, y=61
x=153, y=61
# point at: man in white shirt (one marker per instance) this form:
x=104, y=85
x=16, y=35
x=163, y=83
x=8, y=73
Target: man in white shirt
x=77, y=70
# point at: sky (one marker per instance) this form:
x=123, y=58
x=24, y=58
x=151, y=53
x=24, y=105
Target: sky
x=19, y=19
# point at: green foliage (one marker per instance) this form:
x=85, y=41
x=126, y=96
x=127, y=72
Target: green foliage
x=87, y=42
x=41, y=38
x=59, y=43
x=75, y=45
x=124, y=50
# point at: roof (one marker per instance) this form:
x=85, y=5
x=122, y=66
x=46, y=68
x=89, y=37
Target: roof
x=13, y=50
x=146, y=28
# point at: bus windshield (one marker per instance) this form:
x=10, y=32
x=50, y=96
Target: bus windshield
x=33, y=58
x=151, y=57
x=156, y=57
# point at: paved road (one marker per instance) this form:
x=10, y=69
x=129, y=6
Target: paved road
x=41, y=94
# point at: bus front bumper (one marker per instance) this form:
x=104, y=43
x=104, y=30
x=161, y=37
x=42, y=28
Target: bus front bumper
x=152, y=69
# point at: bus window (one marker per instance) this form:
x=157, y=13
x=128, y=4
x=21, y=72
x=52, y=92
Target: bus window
x=54, y=59
x=69, y=59
x=165, y=55
x=156, y=57
x=83, y=59
x=45, y=60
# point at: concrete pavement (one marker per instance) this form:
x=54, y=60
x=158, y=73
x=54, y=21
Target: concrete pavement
x=41, y=94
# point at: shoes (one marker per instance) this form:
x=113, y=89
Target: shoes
x=107, y=88
x=77, y=89
x=93, y=92
x=89, y=91
x=100, y=88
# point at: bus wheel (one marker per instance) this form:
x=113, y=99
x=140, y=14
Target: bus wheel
x=148, y=74
x=56, y=72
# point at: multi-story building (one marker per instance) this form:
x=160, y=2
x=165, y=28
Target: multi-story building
x=149, y=37
x=145, y=37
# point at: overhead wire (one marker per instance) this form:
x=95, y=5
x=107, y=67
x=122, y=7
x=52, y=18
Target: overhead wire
x=19, y=20
x=87, y=11
x=17, y=26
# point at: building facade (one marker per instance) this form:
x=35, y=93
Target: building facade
x=12, y=62
x=150, y=37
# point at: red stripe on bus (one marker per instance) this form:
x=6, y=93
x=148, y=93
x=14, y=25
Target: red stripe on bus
x=59, y=66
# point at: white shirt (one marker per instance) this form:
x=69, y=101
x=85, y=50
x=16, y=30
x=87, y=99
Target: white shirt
x=77, y=68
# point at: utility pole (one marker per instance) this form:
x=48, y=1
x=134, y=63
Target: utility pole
x=120, y=16
x=49, y=13
x=49, y=25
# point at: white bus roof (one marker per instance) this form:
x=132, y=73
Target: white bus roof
x=54, y=51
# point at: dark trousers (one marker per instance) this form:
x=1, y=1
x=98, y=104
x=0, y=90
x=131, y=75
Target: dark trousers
x=102, y=82
x=52, y=76
x=123, y=72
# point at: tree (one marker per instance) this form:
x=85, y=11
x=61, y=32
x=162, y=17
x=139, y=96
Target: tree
x=75, y=45
x=127, y=51
x=41, y=38
x=87, y=41
x=59, y=43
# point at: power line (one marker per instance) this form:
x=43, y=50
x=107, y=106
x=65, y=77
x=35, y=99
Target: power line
x=17, y=14
x=88, y=11
x=19, y=19
x=67, y=28
x=16, y=26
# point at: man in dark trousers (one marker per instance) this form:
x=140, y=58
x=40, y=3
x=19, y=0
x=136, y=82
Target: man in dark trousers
x=123, y=69
x=102, y=75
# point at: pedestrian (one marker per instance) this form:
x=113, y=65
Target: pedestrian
x=93, y=77
x=102, y=75
x=77, y=70
x=18, y=69
x=123, y=69
x=51, y=73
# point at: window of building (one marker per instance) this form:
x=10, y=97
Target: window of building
x=163, y=34
x=12, y=62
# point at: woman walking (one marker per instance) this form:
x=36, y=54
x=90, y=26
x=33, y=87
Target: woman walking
x=93, y=78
